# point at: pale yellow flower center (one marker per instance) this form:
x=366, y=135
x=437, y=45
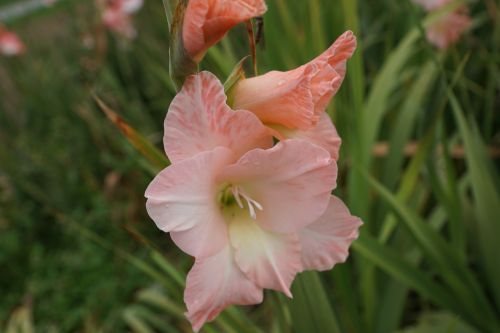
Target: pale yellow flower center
x=232, y=194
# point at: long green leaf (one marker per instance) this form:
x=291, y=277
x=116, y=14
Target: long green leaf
x=152, y=154
x=403, y=271
x=459, y=278
x=310, y=308
x=486, y=195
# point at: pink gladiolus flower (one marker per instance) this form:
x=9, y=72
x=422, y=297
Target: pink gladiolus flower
x=430, y=5
x=293, y=102
x=10, y=44
x=207, y=21
x=117, y=16
x=252, y=215
x=448, y=28
x=49, y=3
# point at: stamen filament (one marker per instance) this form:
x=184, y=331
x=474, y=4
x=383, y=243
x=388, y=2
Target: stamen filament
x=239, y=193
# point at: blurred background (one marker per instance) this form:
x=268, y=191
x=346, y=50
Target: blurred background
x=419, y=165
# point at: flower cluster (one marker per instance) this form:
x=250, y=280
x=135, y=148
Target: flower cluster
x=448, y=28
x=10, y=44
x=117, y=15
x=253, y=213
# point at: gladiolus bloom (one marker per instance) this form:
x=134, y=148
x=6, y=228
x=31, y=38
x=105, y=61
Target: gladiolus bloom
x=117, y=16
x=10, y=44
x=252, y=214
x=448, y=28
x=430, y=5
x=207, y=21
x=293, y=103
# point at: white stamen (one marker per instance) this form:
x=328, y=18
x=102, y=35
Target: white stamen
x=239, y=193
x=236, y=194
x=252, y=211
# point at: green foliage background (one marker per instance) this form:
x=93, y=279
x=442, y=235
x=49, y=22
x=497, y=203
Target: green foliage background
x=79, y=254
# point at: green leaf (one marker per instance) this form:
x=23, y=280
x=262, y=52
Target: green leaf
x=310, y=308
x=181, y=64
x=487, y=197
x=237, y=74
x=439, y=322
x=149, y=151
x=21, y=320
x=369, y=121
x=458, y=278
x=406, y=122
x=132, y=317
x=394, y=265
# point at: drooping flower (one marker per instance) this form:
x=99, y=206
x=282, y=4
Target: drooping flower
x=207, y=21
x=447, y=28
x=293, y=103
x=117, y=16
x=10, y=44
x=252, y=214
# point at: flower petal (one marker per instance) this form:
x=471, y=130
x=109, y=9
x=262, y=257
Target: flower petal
x=431, y=4
x=193, y=37
x=448, y=29
x=207, y=21
x=323, y=134
x=341, y=50
x=213, y=284
x=295, y=99
x=200, y=120
x=292, y=182
x=269, y=259
x=11, y=44
x=326, y=242
x=282, y=98
x=182, y=199
x=118, y=21
x=131, y=6
x=330, y=70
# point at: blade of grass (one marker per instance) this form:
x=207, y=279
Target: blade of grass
x=150, y=152
x=311, y=311
x=403, y=271
x=458, y=277
x=486, y=195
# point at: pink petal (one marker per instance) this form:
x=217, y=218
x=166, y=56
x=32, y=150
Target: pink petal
x=295, y=99
x=281, y=98
x=331, y=68
x=118, y=21
x=215, y=283
x=292, y=181
x=11, y=44
x=131, y=6
x=271, y=260
x=326, y=242
x=448, y=29
x=200, y=120
x=430, y=5
x=182, y=200
x=207, y=21
x=323, y=134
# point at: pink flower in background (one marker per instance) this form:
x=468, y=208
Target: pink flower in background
x=49, y=3
x=293, y=103
x=430, y=5
x=10, y=44
x=117, y=16
x=447, y=28
x=207, y=21
x=252, y=215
